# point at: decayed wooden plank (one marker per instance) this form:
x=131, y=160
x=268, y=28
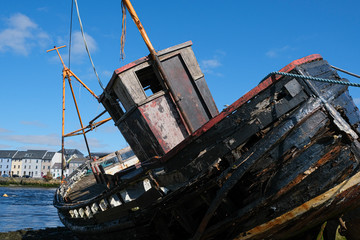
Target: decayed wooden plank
x=205, y=94
x=85, y=189
x=166, y=129
x=190, y=61
x=122, y=94
x=241, y=124
x=347, y=107
x=133, y=86
x=185, y=94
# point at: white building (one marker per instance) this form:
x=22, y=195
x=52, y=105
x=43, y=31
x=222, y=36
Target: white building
x=49, y=160
x=32, y=162
x=55, y=170
x=5, y=161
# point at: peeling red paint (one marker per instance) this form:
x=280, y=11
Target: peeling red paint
x=132, y=64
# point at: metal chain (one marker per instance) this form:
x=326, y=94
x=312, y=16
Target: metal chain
x=312, y=78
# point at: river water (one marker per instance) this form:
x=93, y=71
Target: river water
x=27, y=207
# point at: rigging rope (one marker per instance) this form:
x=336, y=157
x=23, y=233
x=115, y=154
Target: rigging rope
x=86, y=46
x=344, y=71
x=312, y=78
x=71, y=20
x=123, y=31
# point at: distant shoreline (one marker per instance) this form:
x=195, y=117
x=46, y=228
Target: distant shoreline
x=28, y=182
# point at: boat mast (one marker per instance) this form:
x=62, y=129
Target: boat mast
x=157, y=62
x=67, y=74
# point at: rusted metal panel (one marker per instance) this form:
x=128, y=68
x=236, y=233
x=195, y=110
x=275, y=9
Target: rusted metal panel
x=164, y=122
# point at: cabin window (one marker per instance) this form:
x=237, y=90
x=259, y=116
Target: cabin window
x=149, y=81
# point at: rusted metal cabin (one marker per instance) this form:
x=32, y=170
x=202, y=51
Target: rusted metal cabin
x=151, y=119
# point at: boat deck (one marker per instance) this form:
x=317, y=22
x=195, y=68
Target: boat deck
x=85, y=189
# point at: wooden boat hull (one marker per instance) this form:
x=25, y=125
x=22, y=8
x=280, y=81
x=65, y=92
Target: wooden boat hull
x=280, y=160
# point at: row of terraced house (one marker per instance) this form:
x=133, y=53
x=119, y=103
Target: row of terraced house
x=37, y=163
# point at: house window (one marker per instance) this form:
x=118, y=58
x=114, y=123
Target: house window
x=25, y=161
x=36, y=167
x=29, y=166
x=17, y=172
x=18, y=166
x=43, y=167
x=37, y=161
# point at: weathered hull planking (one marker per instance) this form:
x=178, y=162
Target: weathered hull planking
x=282, y=159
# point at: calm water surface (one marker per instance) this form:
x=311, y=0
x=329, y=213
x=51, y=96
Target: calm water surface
x=27, y=208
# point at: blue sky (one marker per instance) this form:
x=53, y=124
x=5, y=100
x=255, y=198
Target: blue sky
x=236, y=43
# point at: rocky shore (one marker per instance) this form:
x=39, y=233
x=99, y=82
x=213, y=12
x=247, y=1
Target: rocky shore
x=33, y=182
x=42, y=234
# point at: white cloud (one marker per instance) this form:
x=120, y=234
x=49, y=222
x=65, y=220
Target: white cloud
x=356, y=101
x=78, y=46
x=33, y=123
x=210, y=65
x=3, y=146
x=3, y=130
x=22, y=35
x=46, y=140
x=80, y=144
x=275, y=52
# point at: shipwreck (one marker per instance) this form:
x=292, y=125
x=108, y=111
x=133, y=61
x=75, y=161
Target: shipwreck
x=281, y=159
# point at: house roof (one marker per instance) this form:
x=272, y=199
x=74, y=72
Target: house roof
x=35, y=154
x=71, y=152
x=78, y=160
x=56, y=166
x=7, y=153
x=49, y=155
x=99, y=154
x=19, y=155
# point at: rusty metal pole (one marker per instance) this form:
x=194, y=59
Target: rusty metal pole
x=78, y=113
x=63, y=129
x=159, y=66
x=67, y=73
